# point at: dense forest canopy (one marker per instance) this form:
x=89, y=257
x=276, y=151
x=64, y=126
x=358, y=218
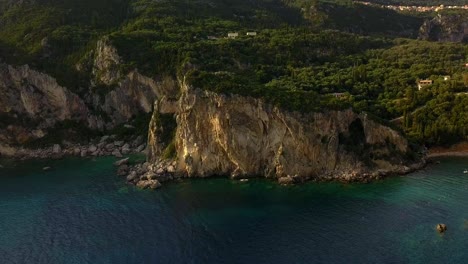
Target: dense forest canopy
x=306, y=56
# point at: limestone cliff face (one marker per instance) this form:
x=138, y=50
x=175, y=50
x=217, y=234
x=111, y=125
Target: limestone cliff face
x=133, y=95
x=446, y=28
x=126, y=95
x=241, y=136
x=33, y=102
x=106, y=63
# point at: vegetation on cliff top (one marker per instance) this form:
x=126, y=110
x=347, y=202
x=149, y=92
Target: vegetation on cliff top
x=306, y=56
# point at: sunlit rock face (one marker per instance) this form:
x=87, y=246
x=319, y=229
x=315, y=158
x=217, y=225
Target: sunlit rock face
x=241, y=136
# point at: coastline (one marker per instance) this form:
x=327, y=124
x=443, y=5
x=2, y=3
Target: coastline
x=448, y=154
x=107, y=145
x=153, y=176
x=457, y=150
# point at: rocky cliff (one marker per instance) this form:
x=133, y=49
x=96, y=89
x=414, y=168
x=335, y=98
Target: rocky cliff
x=125, y=95
x=33, y=102
x=216, y=134
x=106, y=66
x=446, y=28
x=201, y=133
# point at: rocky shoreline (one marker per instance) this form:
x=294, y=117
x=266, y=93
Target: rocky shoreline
x=152, y=176
x=448, y=154
x=107, y=145
x=457, y=150
x=145, y=175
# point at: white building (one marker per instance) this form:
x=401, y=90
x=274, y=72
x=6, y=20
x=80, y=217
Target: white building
x=253, y=33
x=233, y=35
x=424, y=83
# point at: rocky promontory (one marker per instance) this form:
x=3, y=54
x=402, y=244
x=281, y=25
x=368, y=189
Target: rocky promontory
x=203, y=134
x=193, y=132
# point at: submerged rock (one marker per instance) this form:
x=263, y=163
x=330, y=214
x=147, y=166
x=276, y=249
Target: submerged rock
x=121, y=162
x=122, y=170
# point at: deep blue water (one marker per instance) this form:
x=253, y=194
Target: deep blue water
x=81, y=212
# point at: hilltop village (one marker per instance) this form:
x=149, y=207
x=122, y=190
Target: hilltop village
x=416, y=8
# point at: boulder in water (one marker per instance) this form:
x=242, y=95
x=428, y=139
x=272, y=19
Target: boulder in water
x=152, y=184
x=132, y=176
x=441, y=228
x=287, y=180
x=122, y=170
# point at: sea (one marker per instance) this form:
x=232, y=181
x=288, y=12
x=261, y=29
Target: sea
x=80, y=211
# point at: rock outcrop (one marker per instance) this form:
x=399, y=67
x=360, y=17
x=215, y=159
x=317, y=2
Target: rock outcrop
x=126, y=95
x=33, y=102
x=134, y=94
x=241, y=137
x=106, y=68
x=445, y=28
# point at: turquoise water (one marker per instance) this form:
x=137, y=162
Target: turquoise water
x=80, y=212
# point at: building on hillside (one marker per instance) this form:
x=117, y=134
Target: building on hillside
x=339, y=95
x=424, y=83
x=233, y=35
x=252, y=34
x=447, y=78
